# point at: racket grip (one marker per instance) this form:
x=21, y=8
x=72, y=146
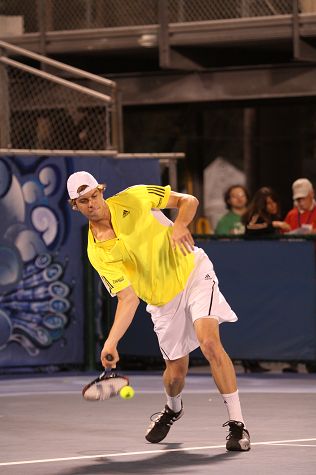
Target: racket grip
x=109, y=357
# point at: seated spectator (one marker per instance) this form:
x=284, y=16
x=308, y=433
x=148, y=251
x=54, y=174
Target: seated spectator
x=262, y=217
x=236, y=200
x=302, y=218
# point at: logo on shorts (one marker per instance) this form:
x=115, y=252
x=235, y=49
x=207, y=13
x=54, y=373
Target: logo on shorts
x=125, y=213
x=208, y=277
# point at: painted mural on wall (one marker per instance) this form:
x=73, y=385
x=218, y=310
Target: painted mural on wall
x=35, y=295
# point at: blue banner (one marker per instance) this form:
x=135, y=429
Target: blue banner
x=41, y=255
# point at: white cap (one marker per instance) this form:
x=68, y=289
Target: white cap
x=78, y=179
x=301, y=188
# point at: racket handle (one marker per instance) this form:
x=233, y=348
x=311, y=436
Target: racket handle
x=109, y=357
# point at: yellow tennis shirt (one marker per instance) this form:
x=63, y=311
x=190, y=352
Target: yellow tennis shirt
x=141, y=255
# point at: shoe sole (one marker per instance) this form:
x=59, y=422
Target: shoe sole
x=241, y=448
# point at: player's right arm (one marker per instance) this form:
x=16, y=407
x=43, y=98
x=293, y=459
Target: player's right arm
x=187, y=206
x=125, y=311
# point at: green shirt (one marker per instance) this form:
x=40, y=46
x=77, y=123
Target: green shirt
x=228, y=223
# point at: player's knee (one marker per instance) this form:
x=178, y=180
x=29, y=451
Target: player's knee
x=176, y=380
x=211, y=347
x=176, y=375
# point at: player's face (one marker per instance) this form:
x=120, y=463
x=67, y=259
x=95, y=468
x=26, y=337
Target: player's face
x=238, y=198
x=91, y=205
x=304, y=204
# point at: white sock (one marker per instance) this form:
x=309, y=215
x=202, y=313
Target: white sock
x=174, y=402
x=232, y=404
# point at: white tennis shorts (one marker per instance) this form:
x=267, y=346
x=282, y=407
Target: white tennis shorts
x=201, y=298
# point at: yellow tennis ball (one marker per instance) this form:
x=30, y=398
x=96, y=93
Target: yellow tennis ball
x=127, y=392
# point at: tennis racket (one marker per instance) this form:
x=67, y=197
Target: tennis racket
x=105, y=386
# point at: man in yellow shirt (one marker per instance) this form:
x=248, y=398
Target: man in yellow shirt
x=140, y=254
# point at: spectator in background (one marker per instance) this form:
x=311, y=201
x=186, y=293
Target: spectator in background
x=301, y=219
x=236, y=199
x=43, y=133
x=263, y=216
x=91, y=130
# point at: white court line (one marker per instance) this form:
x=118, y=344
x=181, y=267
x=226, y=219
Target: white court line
x=40, y=393
x=297, y=445
x=145, y=452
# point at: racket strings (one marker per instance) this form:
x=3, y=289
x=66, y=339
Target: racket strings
x=110, y=387
x=105, y=388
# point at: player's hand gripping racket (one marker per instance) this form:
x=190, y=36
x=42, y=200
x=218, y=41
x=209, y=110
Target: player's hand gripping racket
x=107, y=385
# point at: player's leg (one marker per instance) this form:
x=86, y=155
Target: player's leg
x=174, y=375
x=174, y=379
x=207, y=331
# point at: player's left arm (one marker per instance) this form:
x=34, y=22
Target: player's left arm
x=187, y=206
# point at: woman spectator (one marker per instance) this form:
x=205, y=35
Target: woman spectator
x=263, y=214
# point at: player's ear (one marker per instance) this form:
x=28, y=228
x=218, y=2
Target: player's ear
x=73, y=205
x=101, y=187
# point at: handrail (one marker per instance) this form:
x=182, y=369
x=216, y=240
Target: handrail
x=57, y=64
x=163, y=157
x=56, y=79
x=56, y=153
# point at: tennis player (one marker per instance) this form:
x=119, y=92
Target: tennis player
x=140, y=254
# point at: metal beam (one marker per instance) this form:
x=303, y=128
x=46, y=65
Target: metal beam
x=169, y=58
x=297, y=80
x=208, y=33
x=164, y=47
x=302, y=51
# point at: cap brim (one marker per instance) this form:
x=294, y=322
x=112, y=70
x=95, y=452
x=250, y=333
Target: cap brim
x=296, y=197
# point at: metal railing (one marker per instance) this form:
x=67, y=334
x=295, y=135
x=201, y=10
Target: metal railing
x=42, y=111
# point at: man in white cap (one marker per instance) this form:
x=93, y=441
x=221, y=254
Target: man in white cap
x=140, y=254
x=303, y=216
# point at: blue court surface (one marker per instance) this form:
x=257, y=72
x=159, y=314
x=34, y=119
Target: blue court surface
x=47, y=427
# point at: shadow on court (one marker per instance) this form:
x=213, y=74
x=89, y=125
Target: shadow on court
x=168, y=462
